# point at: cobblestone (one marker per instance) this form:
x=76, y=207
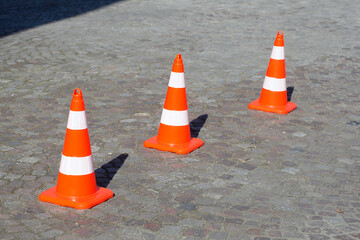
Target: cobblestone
x=259, y=175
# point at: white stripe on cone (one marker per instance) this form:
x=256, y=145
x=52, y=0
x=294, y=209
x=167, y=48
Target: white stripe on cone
x=174, y=118
x=177, y=80
x=76, y=165
x=278, y=53
x=77, y=120
x=275, y=84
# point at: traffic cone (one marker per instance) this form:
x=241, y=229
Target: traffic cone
x=273, y=97
x=174, y=131
x=76, y=185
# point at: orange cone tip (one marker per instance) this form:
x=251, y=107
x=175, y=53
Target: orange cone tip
x=76, y=185
x=174, y=130
x=279, y=40
x=178, y=64
x=273, y=97
x=77, y=103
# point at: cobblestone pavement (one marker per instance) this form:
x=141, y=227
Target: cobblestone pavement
x=259, y=176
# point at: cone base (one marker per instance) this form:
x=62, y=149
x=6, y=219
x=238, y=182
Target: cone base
x=175, y=148
x=100, y=196
x=285, y=109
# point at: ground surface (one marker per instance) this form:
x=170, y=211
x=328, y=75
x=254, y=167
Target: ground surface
x=259, y=175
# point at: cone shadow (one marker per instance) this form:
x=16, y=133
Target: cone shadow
x=197, y=124
x=289, y=92
x=106, y=172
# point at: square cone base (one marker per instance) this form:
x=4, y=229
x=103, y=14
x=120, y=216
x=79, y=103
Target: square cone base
x=175, y=148
x=100, y=196
x=285, y=109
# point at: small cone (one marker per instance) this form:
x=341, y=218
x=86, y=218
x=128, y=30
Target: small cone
x=76, y=185
x=273, y=97
x=174, y=131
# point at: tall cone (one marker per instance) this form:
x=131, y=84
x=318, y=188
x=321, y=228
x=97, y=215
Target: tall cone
x=273, y=97
x=76, y=185
x=174, y=130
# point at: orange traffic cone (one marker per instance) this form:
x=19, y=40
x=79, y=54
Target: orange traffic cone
x=76, y=185
x=273, y=97
x=174, y=131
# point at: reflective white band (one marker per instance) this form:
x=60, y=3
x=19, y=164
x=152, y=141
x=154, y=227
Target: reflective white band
x=177, y=80
x=174, y=118
x=278, y=53
x=275, y=84
x=76, y=165
x=77, y=120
